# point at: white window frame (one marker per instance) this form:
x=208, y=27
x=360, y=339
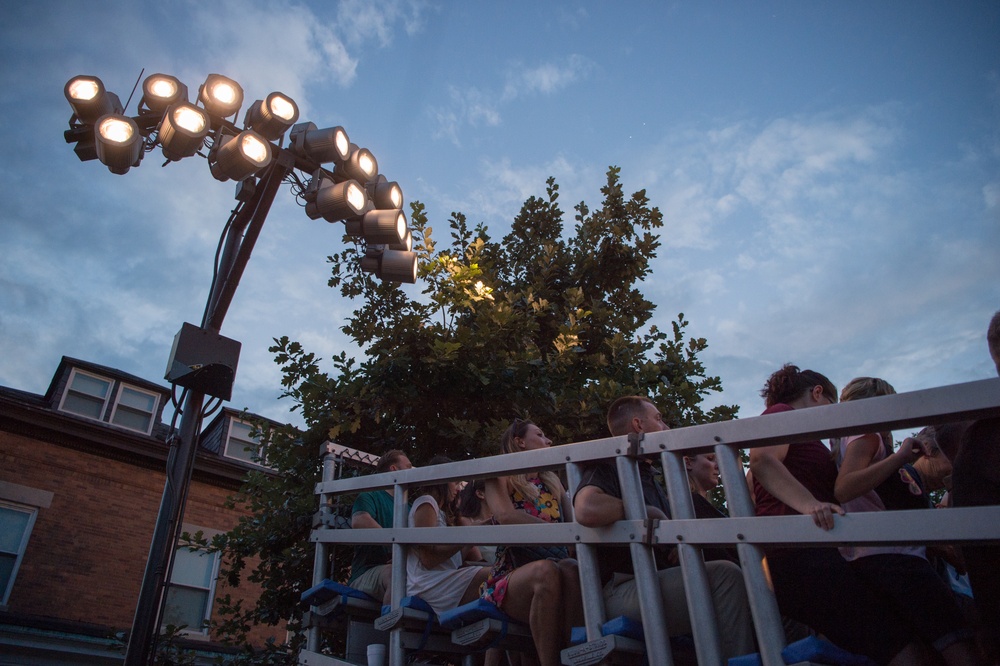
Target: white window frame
x=241, y=443
x=152, y=414
x=206, y=614
x=70, y=390
x=19, y=555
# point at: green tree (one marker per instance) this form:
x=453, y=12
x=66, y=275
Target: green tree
x=543, y=324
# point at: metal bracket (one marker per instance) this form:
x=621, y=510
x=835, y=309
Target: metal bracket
x=650, y=524
x=634, y=444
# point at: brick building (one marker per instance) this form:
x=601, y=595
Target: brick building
x=82, y=470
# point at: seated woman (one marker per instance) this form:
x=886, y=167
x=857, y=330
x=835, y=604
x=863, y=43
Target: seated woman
x=473, y=510
x=901, y=573
x=544, y=592
x=816, y=586
x=435, y=572
x=703, y=477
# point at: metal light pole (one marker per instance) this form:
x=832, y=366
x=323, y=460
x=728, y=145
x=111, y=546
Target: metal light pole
x=180, y=464
x=352, y=192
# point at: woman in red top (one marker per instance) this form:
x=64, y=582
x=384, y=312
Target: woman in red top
x=816, y=586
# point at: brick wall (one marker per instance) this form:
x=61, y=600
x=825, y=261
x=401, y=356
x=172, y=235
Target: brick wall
x=87, y=552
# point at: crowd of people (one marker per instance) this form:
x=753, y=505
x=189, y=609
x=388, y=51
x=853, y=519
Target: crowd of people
x=896, y=605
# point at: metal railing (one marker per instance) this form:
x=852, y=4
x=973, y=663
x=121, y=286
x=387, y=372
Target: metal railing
x=749, y=534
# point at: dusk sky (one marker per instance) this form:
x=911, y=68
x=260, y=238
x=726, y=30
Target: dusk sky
x=828, y=172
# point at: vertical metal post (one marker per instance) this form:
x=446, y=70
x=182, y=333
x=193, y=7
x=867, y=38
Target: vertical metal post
x=701, y=609
x=590, y=577
x=654, y=618
x=763, y=605
x=400, y=519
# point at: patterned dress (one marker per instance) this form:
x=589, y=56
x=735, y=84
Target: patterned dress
x=546, y=507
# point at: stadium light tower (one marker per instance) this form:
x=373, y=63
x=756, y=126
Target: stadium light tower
x=202, y=362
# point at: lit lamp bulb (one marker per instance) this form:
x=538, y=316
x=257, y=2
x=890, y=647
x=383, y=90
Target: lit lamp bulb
x=118, y=143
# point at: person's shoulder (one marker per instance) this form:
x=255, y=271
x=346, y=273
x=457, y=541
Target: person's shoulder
x=777, y=409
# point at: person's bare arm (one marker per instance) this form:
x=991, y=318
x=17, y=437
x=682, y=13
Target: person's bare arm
x=595, y=508
x=858, y=474
x=768, y=468
x=363, y=520
x=431, y=555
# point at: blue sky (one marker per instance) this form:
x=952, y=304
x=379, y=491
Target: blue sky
x=829, y=172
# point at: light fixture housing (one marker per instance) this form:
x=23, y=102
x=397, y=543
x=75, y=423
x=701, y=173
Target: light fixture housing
x=90, y=100
x=161, y=91
x=239, y=157
x=220, y=95
x=379, y=227
x=385, y=194
x=273, y=115
x=183, y=130
x=390, y=265
x=323, y=146
x=335, y=201
x=360, y=165
x=118, y=143
x=406, y=245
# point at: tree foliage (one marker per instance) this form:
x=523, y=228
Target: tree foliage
x=543, y=324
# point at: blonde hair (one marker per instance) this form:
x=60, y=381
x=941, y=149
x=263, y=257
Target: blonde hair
x=860, y=388
x=519, y=482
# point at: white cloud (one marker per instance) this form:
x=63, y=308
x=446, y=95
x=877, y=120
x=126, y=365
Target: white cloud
x=546, y=78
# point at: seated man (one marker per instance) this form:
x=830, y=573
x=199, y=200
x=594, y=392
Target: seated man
x=371, y=570
x=598, y=502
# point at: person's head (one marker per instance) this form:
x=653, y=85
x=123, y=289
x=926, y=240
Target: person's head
x=934, y=466
x=866, y=387
x=949, y=437
x=993, y=339
x=392, y=460
x=523, y=435
x=472, y=499
x=634, y=413
x=703, y=472
x=443, y=493
x=798, y=388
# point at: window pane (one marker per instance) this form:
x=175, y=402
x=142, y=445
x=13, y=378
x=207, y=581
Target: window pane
x=185, y=606
x=84, y=405
x=90, y=385
x=241, y=430
x=130, y=418
x=6, y=569
x=139, y=400
x=193, y=568
x=12, y=526
x=236, y=448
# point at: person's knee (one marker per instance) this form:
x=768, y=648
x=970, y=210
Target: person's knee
x=545, y=577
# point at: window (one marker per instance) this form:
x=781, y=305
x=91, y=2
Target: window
x=86, y=395
x=15, y=528
x=134, y=409
x=241, y=444
x=192, y=590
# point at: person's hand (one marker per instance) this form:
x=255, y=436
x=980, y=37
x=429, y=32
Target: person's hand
x=655, y=513
x=910, y=451
x=822, y=514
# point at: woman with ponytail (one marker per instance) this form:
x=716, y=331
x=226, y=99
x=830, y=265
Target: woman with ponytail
x=816, y=586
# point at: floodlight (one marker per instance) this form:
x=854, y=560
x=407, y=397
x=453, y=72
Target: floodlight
x=337, y=201
x=323, y=146
x=385, y=194
x=118, y=142
x=273, y=115
x=90, y=100
x=161, y=91
x=359, y=165
x=239, y=157
x=220, y=96
x=390, y=265
x=183, y=130
x=406, y=245
x=379, y=227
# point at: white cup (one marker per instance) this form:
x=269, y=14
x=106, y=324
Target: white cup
x=376, y=654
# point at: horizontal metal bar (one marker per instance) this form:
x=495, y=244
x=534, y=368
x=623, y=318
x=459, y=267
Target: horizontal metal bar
x=971, y=400
x=879, y=527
